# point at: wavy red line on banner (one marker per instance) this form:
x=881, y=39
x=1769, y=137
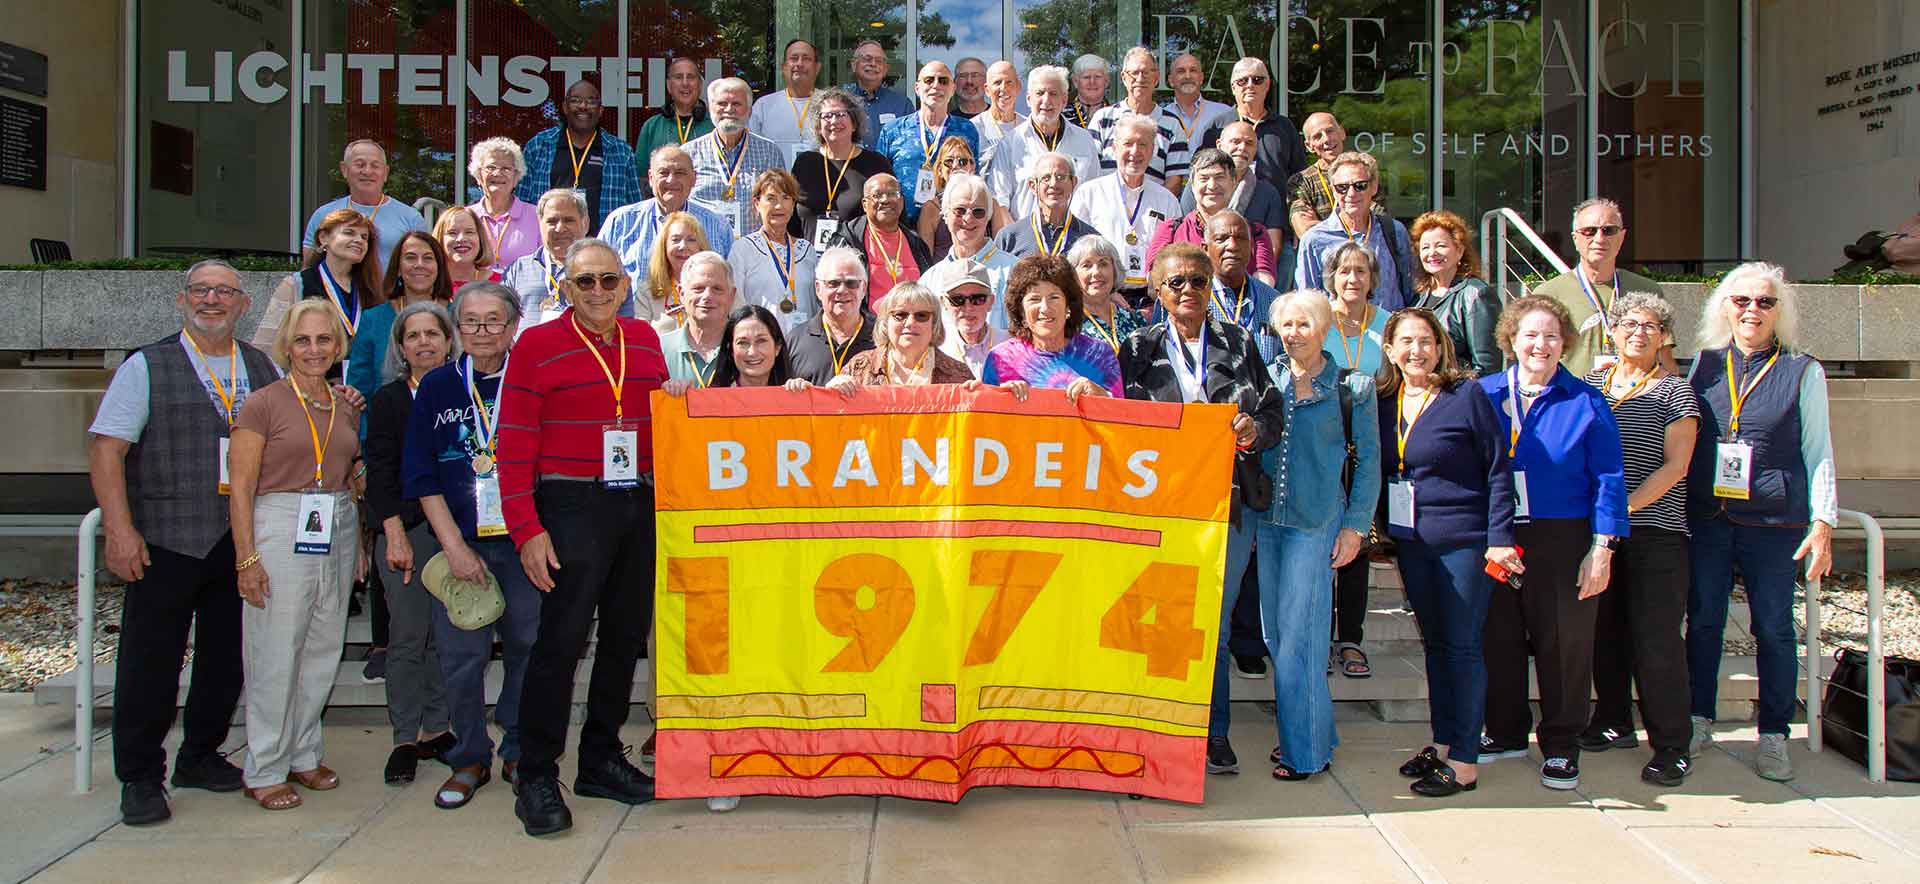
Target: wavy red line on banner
x=941, y=446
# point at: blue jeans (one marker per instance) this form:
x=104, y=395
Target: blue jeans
x=1239, y=549
x=464, y=655
x=1764, y=557
x=1450, y=594
x=1296, y=611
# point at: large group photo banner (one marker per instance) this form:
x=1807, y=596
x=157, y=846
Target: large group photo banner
x=918, y=590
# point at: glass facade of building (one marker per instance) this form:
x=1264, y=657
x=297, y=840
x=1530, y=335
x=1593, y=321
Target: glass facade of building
x=1527, y=104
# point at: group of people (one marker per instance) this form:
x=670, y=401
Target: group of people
x=475, y=401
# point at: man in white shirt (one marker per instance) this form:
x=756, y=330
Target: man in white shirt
x=727, y=160
x=1194, y=113
x=364, y=165
x=1126, y=206
x=1002, y=113
x=1140, y=75
x=1010, y=163
x=781, y=117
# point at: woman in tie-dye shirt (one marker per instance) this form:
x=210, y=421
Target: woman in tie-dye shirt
x=1045, y=314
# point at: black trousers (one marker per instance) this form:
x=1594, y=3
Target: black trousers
x=604, y=541
x=1245, y=639
x=1350, y=600
x=1638, y=638
x=178, y=592
x=1548, y=618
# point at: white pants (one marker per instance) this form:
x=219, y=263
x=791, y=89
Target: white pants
x=291, y=647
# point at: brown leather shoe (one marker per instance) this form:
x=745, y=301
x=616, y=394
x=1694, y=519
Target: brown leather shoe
x=459, y=788
x=320, y=779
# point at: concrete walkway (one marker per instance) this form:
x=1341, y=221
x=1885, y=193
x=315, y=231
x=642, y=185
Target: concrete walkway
x=1358, y=825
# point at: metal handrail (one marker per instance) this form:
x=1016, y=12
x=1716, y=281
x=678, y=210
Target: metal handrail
x=83, y=649
x=1494, y=228
x=1876, y=654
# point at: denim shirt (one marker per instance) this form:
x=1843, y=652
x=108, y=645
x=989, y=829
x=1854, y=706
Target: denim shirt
x=1306, y=464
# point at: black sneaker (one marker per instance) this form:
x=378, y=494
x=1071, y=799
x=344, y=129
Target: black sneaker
x=1491, y=751
x=1560, y=773
x=540, y=808
x=1220, y=757
x=213, y=773
x=616, y=779
x=1249, y=667
x=1669, y=767
x=376, y=669
x=144, y=803
x=1608, y=738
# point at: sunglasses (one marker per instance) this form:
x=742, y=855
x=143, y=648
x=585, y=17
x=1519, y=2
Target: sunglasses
x=933, y=81
x=915, y=315
x=1764, y=302
x=977, y=299
x=1602, y=230
x=843, y=283
x=974, y=212
x=1361, y=186
x=1195, y=281
x=609, y=281
x=1253, y=80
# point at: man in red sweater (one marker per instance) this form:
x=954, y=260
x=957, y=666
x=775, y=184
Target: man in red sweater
x=576, y=481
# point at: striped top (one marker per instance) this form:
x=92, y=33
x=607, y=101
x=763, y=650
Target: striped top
x=1643, y=423
x=554, y=403
x=1170, y=152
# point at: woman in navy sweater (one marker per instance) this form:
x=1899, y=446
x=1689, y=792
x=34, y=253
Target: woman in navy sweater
x=1450, y=505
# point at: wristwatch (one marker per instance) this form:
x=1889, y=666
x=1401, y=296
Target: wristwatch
x=1606, y=541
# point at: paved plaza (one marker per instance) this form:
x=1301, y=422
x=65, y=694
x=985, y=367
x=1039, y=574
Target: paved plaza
x=1358, y=825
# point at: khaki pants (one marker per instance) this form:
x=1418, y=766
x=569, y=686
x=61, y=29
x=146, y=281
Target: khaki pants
x=291, y=648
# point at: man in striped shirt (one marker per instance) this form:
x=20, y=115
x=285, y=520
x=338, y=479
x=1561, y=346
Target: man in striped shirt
x=1141, y=76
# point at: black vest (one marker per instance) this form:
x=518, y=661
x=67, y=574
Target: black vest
x=173, y=472
x=1769, y=421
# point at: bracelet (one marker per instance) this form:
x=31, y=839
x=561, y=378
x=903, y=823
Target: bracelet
x=247, y=562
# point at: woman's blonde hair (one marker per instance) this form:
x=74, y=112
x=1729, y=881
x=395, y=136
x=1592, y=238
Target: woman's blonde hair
x=659, y=268
x=908, y=295
x=1318, y=306
x=283, y=340
x=483, y=257
x=1716, y=331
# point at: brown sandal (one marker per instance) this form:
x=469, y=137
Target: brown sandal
x=279, y=796
x=459, y=788
x=320, y=779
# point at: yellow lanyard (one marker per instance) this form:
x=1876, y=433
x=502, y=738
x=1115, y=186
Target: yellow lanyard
x=553, y=285
x=231, y=388
x=892, y=261
x=319, y=448
x=1606, y=385
x=833, y=183
x=1240, y=300
x=799, y=110
x=682, y=131
x=839, y=353
x=1359, y=341
x=1739, y=394
x=617, y=382
x=786, y=275
x=931, y=148
x=703, y=378
x=506, y=221
x=1056, y=136
x=1403, y=422
x=1111, y=336
x=1186, y=127
x=579, y=160
x=1059, y=242
x=374, y=219
x=1328, y=190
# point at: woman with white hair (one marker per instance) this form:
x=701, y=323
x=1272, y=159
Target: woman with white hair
x=967, y=207
x=1760, y=494
x=511, y=226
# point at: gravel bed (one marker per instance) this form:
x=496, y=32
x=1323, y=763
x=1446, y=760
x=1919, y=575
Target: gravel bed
x=37, y=623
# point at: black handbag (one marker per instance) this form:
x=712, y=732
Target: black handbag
x=1843, y=714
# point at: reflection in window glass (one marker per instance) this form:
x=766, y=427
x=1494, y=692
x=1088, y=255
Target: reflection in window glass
x=1216, y=32
x=499, y=32
x=835, y=27
x=1366, y=63
x=1059, y=31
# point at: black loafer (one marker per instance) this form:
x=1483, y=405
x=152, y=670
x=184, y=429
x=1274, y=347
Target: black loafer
x=1424, y=762
x=144, y=803
x=1442, y=783
x=213, y=773
x=437, y=748
x=402, y=764
x=540, y=808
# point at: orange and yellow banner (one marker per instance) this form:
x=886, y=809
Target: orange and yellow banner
x=914, y=591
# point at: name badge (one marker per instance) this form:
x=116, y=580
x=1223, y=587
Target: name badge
x=1400, y=504
x=225, y=487
x=1590, y=323
x=823, y=232
x=1136, y=264
x=314, y=534
x=923, y=186
x=488, y=519
x=1732, y=470
x=1604, y=361
x=619, y=448
x=1521, y=512
x=886, y=118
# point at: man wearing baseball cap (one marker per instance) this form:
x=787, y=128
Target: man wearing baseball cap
x=967, y=291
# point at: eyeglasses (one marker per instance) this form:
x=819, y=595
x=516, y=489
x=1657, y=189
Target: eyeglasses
x=831, y=116
x=1195, y=281
x=491, y=169
x=974, y=212
x=583, y=102
x=1055, y=178
x=1632, y=326
x=889, y=194
x=977, y=299
x=609, y=281
x=1342, y=188
x=219, y=292
x=1250, y=80
x=915, y=315
x=482, y=328
x=1764, y=302
x=845, y=282
x=1602, y=230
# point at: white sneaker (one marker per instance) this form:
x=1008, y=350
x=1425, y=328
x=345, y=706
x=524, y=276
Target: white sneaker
x=1771, y=761
x=722, y=803
x=1702, y=737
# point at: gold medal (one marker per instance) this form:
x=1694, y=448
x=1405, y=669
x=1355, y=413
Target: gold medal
x=482, y=464
x=1133, y=239
x=786, y=305
x=728, y=193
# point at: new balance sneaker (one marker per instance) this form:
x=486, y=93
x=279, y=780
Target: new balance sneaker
x=1702, y=739
x=1560, y=773
x=1602, y=739
x=1220, y=757
x=1669, y=767
x=1491, y=751
x=1771, y=761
